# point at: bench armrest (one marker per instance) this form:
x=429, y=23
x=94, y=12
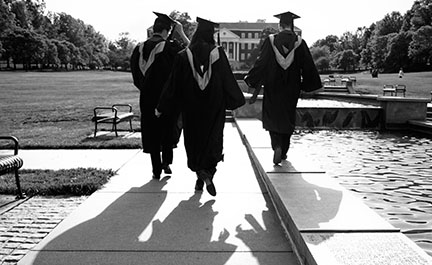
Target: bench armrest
x=123, y=105
x=95, y=111
x=14, y=139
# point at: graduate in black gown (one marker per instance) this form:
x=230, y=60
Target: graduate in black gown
x=151, y=64
x=203, y=83
x=284, y=68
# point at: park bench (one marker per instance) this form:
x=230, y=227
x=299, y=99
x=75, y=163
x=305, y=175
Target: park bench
x=400, y=89
x=11, y=162
x=394, y=89
x=353, y=80
x=113, y=115
x=389, y=89
x=330, y=81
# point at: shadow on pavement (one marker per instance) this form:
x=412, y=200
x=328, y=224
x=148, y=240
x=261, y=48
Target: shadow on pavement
x=114, y=236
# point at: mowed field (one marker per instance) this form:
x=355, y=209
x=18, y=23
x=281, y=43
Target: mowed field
x=418, y=85
x=54, y=109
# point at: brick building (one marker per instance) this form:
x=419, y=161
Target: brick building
x=240, y=38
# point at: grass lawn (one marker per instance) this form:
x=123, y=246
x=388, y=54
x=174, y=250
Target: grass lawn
x=54, y=109
x=418, y=85
x=72, y=182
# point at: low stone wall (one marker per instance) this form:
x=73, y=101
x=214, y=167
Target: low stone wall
x=381, y=112
x=322, y=118
x=398, y=111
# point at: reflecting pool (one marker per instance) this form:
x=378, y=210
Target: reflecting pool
x=391, y=172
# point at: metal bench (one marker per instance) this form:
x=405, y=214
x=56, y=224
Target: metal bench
x=330, y=81
x=12, y=163
x=389, y=89
x=394, y=89
x=400, y=89
x=113, y=116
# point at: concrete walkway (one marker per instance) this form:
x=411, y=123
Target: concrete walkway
x=137, y=220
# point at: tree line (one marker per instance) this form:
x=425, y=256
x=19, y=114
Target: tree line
x=33, y=39
x=29, y=37
x=55, y=40
x=397, y=41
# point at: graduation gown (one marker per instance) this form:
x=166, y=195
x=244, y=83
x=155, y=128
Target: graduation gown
x=205, y=92
x=285, y=67
x=151, y=64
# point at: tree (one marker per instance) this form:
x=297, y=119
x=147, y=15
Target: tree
x=331, y=41
x=366, y=56
x=35, y=12
x=185, y=20
x=421, y=14
x=397, y=55
x=347, y=60
x=6, y=25
x=120, y=51
x=25, y=46
x=391, y=23
x=22, y=20
x=321, y=57
x=96, y=46
x=63, y=52
x=379, y=51
x=69, y=29
x=420, y=48
x=51, y=54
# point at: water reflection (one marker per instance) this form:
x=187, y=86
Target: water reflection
x=392, y=173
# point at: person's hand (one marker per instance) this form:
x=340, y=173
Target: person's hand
x=157, y=113
x=178, y=27
x=253, y=99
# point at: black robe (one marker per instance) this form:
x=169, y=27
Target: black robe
x=203, y=111
x=155, y=132
x=282, y=86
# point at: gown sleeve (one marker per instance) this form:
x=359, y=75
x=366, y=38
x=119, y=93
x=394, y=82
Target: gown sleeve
x=136, y=72
x=256, y=76
x=311, y=78
x=234, y=97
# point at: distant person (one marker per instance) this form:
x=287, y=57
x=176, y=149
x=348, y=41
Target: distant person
x=202, y=81
x=374, y=73
x=151, y=64
x=284, y=68
x=401, y=73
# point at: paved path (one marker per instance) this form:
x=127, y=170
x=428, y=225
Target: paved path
x=24, y=225
x=135, y=219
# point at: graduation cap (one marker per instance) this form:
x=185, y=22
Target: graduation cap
x=204, y=25
x=163, y=19
x=287, y=18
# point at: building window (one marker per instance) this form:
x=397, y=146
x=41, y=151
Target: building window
x=256, y=35
x=243, y=35
x=249, y=35
x=243, y=46
x=242, y=56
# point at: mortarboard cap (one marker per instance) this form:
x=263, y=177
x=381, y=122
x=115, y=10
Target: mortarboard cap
x=287, y=17
x=163, y=19
x=204, y=25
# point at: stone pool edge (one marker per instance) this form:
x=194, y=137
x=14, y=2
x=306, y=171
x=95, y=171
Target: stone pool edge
x=338, y=230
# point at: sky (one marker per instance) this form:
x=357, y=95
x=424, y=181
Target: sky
x=318, y=18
